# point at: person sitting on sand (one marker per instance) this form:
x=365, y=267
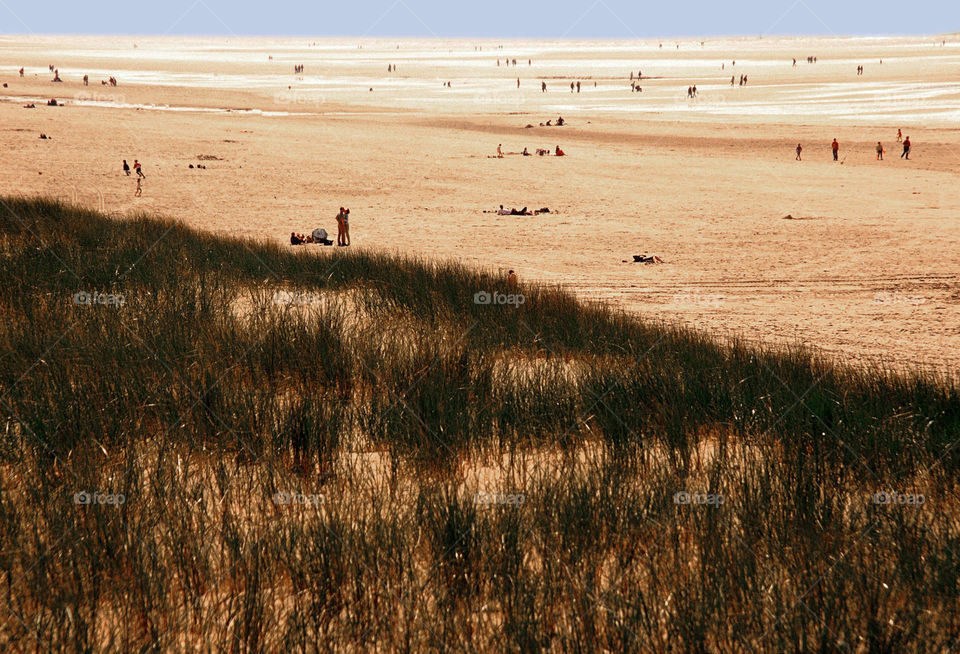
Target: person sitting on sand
x=526, y=152
x=294, y=239
x=560, y=121
x=559, y=152
x=503, y=212
x=512, y=280
x=56, y=75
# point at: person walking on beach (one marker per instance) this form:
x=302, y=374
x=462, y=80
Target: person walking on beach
x=799, y=150
x=836, y=149
x=543, y=87
x=137, y=167
x=899, y=136
x=500, y=151
x=879, y=151
x=126, y=168
x=139, y=190
x=906, y=149
x=578, y=87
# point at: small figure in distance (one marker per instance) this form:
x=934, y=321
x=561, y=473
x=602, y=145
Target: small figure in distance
x=799, y=150
x=906, y=149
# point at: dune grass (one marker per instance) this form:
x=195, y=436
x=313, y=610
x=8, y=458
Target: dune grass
x=324, y=450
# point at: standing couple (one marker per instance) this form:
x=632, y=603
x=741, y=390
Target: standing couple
x=343, y=227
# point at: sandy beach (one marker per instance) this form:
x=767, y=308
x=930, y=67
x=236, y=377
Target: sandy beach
x=857, y=258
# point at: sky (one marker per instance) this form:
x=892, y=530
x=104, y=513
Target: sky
x=615, y=19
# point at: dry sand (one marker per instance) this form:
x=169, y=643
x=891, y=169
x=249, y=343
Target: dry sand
x=867, y=266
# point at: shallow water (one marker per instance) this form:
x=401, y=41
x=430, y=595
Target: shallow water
x=340, y=71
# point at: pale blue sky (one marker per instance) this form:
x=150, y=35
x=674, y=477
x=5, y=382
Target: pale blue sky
x=492, y=18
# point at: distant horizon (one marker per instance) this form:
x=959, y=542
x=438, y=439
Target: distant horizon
x=673, y=38
x=493, y=19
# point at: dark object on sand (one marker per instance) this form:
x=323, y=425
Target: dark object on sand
x=43, y=136
x=190, y=166
x=545, y=210
x=643, y=258
x=52, y=102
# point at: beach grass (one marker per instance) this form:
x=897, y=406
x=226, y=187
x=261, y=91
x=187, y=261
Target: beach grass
x=211, y=444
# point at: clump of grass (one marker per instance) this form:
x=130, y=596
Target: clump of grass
x=332, y=447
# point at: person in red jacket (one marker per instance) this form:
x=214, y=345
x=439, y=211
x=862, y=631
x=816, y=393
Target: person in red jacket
x=836, y=149
x=906, y=148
